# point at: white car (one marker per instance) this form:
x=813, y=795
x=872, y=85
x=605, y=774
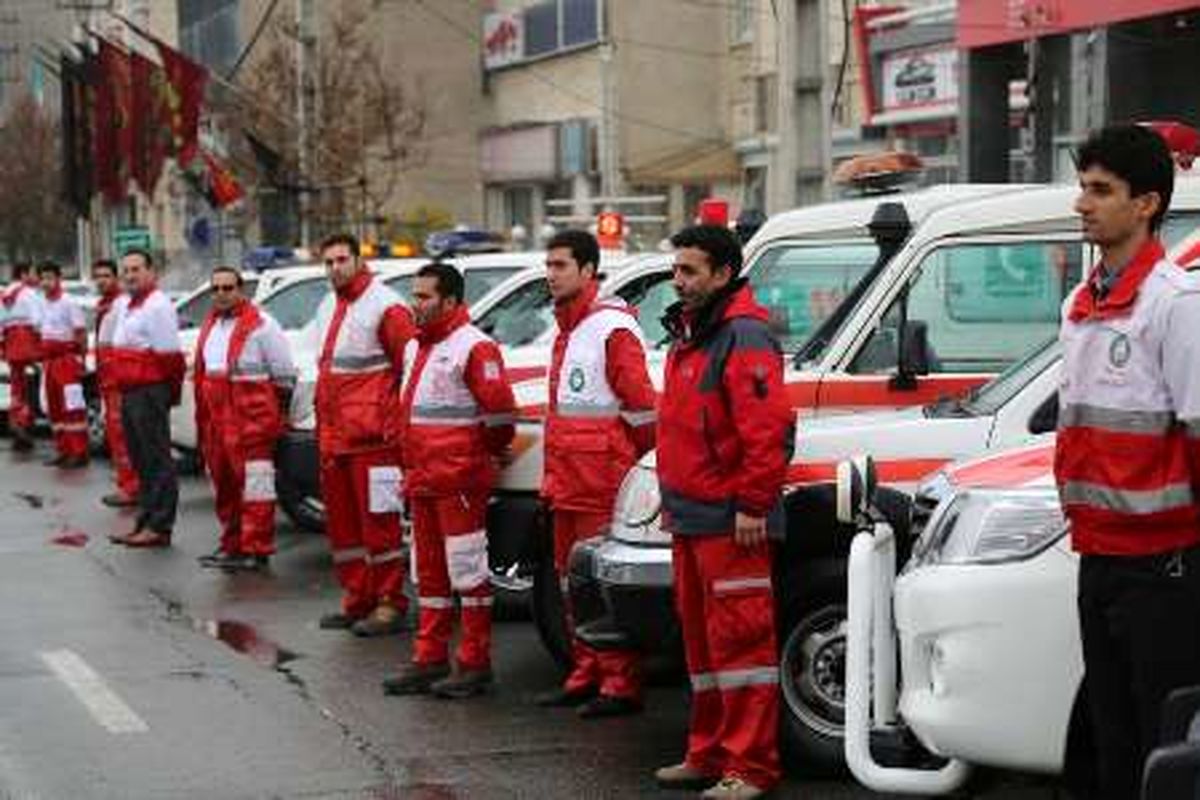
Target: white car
x=985, y=276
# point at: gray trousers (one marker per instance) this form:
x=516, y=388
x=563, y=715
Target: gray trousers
x=145, y=415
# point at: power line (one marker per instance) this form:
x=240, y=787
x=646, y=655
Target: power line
x=533, y=73
x=258, y=30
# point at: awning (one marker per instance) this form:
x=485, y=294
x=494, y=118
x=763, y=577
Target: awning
x=700, y=164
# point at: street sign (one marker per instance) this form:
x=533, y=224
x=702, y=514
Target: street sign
x=128, y=237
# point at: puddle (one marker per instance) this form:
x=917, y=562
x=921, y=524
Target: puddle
x=70, y=538
x=34, y=500
x=244, y=639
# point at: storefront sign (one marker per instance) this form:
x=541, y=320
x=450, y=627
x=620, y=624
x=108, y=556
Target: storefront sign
x=503, y=39
x=987, y=22
x=920, y=79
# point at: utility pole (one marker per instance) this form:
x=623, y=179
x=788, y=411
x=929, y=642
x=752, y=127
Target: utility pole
x=609, y=173
x=305, y=45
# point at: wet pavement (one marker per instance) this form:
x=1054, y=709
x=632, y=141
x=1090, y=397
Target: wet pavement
x=136, y=674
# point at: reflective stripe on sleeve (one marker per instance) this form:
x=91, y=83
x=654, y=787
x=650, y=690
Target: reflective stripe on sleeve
x=738, y=584
x=496, y=420
x=435, y=602
x=385, y=557
x=637, y=419
x=476, y=602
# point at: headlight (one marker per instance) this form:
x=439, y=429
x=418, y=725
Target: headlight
x=637, y=510
x=978, y=526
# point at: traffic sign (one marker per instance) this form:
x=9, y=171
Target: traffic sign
x=128, y=237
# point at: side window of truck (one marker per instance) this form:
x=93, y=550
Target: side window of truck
x=983, y=305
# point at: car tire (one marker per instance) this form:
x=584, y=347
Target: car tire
x=546, y=605
x=306, y=513
x=811, y=618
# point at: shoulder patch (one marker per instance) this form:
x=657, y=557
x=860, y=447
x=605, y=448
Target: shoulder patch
x=752, y=334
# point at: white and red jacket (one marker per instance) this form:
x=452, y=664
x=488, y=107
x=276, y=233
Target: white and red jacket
x=63, y=326
x=23, y=307
x=601, y=413
x=1127, y=461
x=242, y=368
x=145, y=344
x=364, y=334
x=456, y=411
x=109, y=310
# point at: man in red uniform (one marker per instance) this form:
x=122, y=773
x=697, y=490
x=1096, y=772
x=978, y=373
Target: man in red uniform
x=64, y=345
x=724, y=442
x=1127, y=458
x=111, y=306
x=363, y=334
x=244, y=378
x=599, y=421
x=23, y=305
x=148, y=368
x=456, y=420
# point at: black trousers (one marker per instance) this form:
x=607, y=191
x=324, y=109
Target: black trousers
x=145, y=414
x=1140, y=623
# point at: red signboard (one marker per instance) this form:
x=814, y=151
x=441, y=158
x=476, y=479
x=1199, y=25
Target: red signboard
x=986, y=22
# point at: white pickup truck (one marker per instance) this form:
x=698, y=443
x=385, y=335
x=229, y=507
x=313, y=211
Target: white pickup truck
x=984, y=281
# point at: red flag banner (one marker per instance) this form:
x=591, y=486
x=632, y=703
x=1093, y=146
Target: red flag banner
x=152, y=134
x=212, y=179
x=113, y=141
x=185, y=82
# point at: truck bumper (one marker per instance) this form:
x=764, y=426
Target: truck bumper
x=621, y=596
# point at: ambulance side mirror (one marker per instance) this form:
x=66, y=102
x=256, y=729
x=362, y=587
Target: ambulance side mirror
x=856, y=482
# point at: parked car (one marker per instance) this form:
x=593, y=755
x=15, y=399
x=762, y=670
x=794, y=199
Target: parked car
x=982, y=279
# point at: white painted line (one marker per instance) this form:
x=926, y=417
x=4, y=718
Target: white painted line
x=102, y=702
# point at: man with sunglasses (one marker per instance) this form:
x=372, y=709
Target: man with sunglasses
x=244, y=378
x=364, y=334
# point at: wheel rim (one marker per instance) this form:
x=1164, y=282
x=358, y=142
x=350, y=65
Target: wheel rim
x=813, y=670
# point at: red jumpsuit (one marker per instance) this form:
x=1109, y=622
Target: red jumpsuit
x=108, y=313
x=456, y=414
x=63, y=327
x=364, y=335
x=243, y=368
x=600, y=420
x=725, y=438
x=23, y=306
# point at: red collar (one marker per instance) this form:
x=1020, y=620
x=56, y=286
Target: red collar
x=357, y=285
x=572, y=312
x=437, y=330
x=1120, y=298
x=55, y=294
x=137, y=298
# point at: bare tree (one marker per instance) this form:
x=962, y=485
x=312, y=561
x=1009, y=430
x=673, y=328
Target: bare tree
x=366, y=130
x=35, y=220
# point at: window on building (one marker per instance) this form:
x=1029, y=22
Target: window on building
x=741, y=21
x=541, y=28
x=754, y=188
x=208, y=32
x=580, y=22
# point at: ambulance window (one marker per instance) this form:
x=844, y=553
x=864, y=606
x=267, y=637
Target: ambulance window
x=402, y=285
x=1177, y=225
x=983, y=306
x=650, y=295
x=481, y=280
x=802, y=285
x=521, y=317
x=297, y=303
x=193, y=311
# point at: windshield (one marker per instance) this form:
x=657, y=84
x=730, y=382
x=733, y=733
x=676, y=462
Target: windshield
x=1177, y=225
x=651, y=295
x=802, y=286
x=521, y=317
x=296, y=304
x=992, y=396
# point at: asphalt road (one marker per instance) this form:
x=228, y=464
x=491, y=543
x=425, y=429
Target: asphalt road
x=130, y=674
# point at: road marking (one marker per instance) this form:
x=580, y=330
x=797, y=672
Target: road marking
x=102, y=702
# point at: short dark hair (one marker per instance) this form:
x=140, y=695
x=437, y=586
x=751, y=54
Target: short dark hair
x=20, y=269
x=50, y=266
x=449, y=280
x=1137, y=155
x=348, y=239
x=232, y=271
x=104, y=263
x=719, y=244
x=583, y=246
x=139, y=251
